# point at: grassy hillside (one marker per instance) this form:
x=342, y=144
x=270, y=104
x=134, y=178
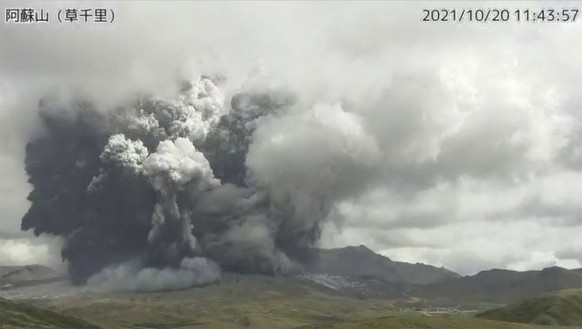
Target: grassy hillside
x=256, y=301
x=563, y=308
x=20, y=315
x=239, y=301
x=428, y=322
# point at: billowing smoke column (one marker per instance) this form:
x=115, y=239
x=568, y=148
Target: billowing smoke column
x=166, y=193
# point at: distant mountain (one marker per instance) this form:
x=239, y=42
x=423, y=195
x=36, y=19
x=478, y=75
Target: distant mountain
x=503, y=286
x=16, y=276
x=561, y=308
x=362, y=262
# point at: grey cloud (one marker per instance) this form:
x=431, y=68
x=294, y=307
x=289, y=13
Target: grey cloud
x=389, y=210
x=468, y=262
x=572, y=252
x=570, y=155
x=496, y=105
x=565, y=213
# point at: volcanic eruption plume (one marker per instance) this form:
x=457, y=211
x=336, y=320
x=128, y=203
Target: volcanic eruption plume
x=165, y=193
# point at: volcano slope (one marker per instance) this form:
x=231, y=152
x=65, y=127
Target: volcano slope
x=251, y=301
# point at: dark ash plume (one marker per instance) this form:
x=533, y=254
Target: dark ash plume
x=171, y=191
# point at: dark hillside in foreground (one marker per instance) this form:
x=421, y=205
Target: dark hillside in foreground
x=21, y=315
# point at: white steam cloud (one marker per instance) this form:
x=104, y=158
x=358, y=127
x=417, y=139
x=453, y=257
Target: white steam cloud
x=131, y=277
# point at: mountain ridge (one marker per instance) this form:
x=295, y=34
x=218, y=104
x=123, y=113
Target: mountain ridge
x=503, y=286
x=362, y=261
x=26, y=275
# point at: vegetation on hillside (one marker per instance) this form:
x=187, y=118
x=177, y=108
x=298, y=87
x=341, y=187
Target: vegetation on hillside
x=21, y=315
x=428, y=322
x=561, y=308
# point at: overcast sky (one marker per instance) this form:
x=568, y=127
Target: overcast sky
x=479, y=126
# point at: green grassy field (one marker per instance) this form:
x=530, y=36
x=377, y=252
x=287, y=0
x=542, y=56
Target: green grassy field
x=239, y=302
x=22, y=315
x=429, y=322
x=304, y=313
x=264, y=309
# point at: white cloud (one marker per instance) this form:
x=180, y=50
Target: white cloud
x=477, y=124
x=27, y=251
